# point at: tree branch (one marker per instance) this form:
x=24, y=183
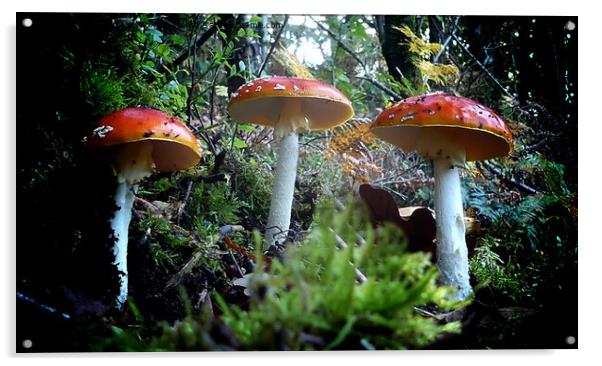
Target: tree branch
x=474, y=58
x=199, y=42
x=267, y=57
x=368, y=76
x=446, y=42
x=492, y=168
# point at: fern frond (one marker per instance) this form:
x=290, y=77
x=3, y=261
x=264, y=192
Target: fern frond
x=287, y=61
x=347, y=143
x=417, y=45
x=438, y=73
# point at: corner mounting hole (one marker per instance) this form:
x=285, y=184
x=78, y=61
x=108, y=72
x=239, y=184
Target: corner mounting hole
x=570, y=340
x=27, y=343
x=27, y=22
x=570, y=26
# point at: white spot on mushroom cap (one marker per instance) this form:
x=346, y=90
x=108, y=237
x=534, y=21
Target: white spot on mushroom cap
x=279, y=87
x=234, y=95
x=258, y=88
x=409, y=116
x=295, y=87
x=391, y=116
x=101, y=131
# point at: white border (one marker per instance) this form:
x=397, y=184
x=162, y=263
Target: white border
x=589, y=98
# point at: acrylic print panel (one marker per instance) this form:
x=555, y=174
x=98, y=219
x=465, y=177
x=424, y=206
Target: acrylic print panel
x=210, y=182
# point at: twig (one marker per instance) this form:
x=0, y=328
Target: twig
x=212, y=98
x=280, y=232
x=197, y=44
x=192, y=73
x=184, y=202
x=474, y=58
x=368, y=76
x=240, y=272
x=447, y=40
x=341, y=244
x=517, y=184
x=42, y=306
x=265, y=60
x=177, y=278
x=149, y=206
x=202, y=131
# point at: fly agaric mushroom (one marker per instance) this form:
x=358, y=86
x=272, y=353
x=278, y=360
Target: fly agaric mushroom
x=449, y=131
x=140, y=141
x=291, y=106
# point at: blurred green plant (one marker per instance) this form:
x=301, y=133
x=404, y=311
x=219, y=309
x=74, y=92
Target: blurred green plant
x=311, y=298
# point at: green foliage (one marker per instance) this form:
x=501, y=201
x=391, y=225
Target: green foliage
x=102, y=87
x=211, y=206
x=526, y=239
x=254, y=185
x=313, y=291
x=489, y=269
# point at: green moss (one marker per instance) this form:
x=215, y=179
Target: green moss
x=313, y=291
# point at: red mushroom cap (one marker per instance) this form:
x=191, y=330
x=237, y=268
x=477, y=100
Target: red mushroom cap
x=175, y=147
x=260, y=101
x=482, y=133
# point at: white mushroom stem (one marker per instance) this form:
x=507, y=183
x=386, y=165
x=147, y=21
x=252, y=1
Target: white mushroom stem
x=283, y=190
x=291, y=120
x=452, y=253
x=124, y=199
x=132, y=163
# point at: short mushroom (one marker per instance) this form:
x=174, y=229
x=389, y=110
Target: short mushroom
x=449, y=130
x=140, y=141
x=289, y=105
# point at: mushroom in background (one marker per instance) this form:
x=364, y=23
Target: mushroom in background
x=291, y=106
x=448, y=130
x=140, y=141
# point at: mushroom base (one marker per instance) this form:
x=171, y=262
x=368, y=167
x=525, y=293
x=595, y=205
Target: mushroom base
x=452, y=252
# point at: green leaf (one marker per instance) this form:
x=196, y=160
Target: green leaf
x=140, y=37
x=221, y=91
x=238, y=143
x=163, y=51
x=241, y=66
x=156, y=35
x=178, y=40
x=247, y=128
x=117, y=331
x=359, y=31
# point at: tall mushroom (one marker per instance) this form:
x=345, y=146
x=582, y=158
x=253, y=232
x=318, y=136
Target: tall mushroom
x=291, y=106
x=449, y=130
x=140, y=141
